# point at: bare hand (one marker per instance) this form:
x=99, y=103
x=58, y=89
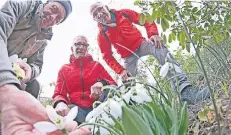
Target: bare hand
x=20, y=111
x=157, y=40
x=62, y=109
x=125, y=75
x=28, y=71
x=96, y=90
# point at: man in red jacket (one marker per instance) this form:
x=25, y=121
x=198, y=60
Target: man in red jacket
x=79, y=83
x=116, y=27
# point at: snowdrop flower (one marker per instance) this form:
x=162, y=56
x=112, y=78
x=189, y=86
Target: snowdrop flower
x=127, y=96
x=114, y=108
x=58, y=121
x=101, y=130
x=14, y=58
x=96, y=111
x=105, y=120
x=105, y=117
x=169, y=66
x=141, y=94
x=110, y=106
x=164, y=69
x=138, y=94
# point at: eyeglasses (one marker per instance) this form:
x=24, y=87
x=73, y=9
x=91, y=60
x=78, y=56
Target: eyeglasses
x=98, y=12
x=81, y=43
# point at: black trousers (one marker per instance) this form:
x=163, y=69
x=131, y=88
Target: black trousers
x=33, y=88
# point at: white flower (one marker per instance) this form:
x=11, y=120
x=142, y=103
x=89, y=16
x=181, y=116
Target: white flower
x=96, y=111
x=14, y=58
x=114, y=108
x=176, y=68
x=138, y=94
x=110, y=106
x=169, y=66
x=141, y=95
x=103, y=131
x=164, y=69
x=127, y=96
x=107, y=119
x=58, y=121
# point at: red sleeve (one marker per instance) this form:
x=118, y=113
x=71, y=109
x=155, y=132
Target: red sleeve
x=60, y=93
x=151, y=28
x=105, y=48
x=104, y=75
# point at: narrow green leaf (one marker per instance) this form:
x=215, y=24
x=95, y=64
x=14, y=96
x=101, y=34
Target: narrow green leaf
x=164, y=24
x=133, y=123
x=165, y=39
x=195, y=9
x=188, y=47
x=150, y=18
x=182, y=37
x=170, y=38
x=154, y=123
x=155, y=14
x=142, y=19
x=184, y=120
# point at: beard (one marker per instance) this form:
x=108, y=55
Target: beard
x=78, y=54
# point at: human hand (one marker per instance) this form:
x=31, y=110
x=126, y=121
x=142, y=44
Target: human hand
x=96, y=90
x=157, y=40
x=20, y=110
x=125, y=75
x=27, y=69
x=62, y=109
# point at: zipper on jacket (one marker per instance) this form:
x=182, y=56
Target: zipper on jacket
x=81, y=74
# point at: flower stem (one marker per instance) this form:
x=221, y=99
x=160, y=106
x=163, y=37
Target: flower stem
x=97, y=124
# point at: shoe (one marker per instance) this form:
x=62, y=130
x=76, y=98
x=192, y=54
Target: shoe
x=192, y=95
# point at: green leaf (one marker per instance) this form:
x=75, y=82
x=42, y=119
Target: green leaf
x=155, y=14
x=203, y=114
x=164, y=24
x=133, y=123
x=168, y=17
x=142, y=19
x=172, y=113
x=181, y=39
x=152, y=114
x=165, y=39
x=194, y=9
x=170, y=38
x=184, y=120
x=188, y=47
x=150, y=18
x=137, y=2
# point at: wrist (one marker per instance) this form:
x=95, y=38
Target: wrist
x=7, y=88
x=5, y=91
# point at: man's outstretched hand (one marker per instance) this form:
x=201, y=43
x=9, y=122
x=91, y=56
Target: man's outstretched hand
x=20, y=110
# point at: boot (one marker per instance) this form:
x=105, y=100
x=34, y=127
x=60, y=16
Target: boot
x=192, y=95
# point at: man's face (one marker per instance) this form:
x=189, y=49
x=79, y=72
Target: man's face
x=102, y=15
x=79, y=47
x=53, y=14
